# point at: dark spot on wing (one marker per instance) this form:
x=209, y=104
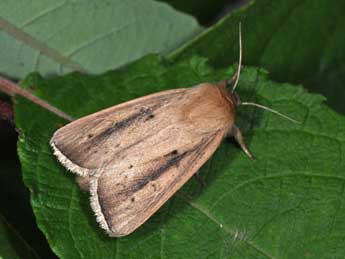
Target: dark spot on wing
x=131, y=166
x=154, y=187
x=151, y=116
x=132, y=199
x=120, y=184
x=174, y=152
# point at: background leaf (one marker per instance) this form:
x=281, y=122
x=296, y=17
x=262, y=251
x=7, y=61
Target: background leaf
x=206, y=11
x=12, y=246
x=55, y=37
x=296, y=41
x=287, y=204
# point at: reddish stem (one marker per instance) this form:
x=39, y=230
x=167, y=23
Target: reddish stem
x=6, y=112
x=11, y=89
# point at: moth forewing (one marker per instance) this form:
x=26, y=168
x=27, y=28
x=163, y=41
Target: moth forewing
x=77, y=145
x=138, y=154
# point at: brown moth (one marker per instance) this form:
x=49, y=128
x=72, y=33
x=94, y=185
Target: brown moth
x=134, y=156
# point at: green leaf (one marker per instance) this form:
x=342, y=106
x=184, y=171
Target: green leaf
x=205, y=11
x=12, y=245
x=286, y=204
x=296, y=41
x=55, y=37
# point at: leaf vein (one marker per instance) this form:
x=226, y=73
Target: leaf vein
x=44, y=13
x=224, y=227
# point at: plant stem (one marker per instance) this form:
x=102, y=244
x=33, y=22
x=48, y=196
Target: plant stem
x=11, y=89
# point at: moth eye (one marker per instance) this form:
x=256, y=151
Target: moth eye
x=132, y=199
x=90, y=135
x=131, y=166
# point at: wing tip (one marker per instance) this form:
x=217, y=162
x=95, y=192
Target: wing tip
x=97, y=209
x=74, y=168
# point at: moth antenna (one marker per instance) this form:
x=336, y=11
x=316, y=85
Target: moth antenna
x=240, y=58
x=271, y=110
x=238, y=77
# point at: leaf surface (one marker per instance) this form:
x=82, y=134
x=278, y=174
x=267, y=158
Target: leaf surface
x=286, y=204
x=12, y=245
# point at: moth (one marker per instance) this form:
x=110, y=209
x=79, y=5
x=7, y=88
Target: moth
x=134, y=156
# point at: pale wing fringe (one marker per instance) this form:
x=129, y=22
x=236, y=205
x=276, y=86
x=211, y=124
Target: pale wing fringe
x=96, y=207
x=74, y=168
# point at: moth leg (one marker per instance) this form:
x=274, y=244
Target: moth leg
x=236, y=133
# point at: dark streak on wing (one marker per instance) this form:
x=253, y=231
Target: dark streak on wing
x=138, y=185
x=76, y=142
x=173, y=160
x=199, y=149
x=151, y=116
x=156, y=173
x=120, y=125
x=98, y=139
